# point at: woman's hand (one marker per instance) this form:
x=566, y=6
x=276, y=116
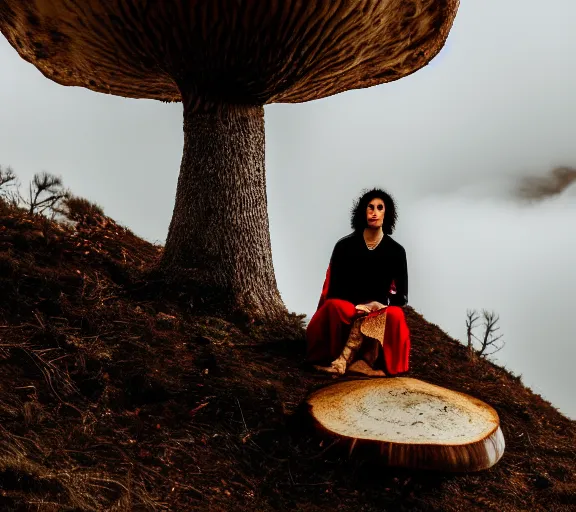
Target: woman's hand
x=376, y=306
x=363, y=308
x=370, y=307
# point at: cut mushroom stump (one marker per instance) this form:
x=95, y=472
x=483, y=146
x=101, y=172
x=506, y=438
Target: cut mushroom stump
x=410, y=423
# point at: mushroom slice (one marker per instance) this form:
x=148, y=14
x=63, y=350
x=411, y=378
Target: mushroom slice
x=414, y=424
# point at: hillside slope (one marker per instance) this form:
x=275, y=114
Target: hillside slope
x=116, y=394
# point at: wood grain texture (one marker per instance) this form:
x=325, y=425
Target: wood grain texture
x=411, y=423
x=233, y=51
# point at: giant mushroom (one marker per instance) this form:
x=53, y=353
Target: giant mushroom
x=225, y=60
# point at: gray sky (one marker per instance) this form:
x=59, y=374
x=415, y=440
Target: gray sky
x=450, y=142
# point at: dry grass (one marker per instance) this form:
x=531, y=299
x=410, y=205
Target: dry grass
x=117, y=394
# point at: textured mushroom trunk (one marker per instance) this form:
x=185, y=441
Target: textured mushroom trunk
x=219, y=231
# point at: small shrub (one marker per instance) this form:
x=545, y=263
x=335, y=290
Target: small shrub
x=78, y=209
x=9, y=189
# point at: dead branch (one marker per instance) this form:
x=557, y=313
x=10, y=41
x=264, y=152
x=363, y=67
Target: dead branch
x=471, y=318
x=488, y=342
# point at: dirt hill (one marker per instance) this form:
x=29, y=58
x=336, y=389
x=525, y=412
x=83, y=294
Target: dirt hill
x=117, y=393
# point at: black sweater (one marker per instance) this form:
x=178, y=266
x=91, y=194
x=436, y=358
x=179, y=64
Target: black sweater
x=360, y=275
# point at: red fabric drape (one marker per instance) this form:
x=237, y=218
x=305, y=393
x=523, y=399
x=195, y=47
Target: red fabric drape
x=396, y=341
x=324, y=289
x=330, y=326
x=328, y=330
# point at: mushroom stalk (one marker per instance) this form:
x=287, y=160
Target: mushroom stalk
x=219, y=231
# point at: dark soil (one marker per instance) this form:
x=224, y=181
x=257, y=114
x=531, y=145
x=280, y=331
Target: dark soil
x=118, y=393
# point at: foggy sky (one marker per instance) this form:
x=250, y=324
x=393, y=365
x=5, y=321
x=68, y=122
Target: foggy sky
x=450, y=142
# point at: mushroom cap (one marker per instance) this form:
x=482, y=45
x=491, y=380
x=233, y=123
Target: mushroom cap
x=415, y=424
x=235, y=51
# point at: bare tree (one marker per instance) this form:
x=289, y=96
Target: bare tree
x=9, y=186
x=46, y=191
x=488, y=342
x=7, y=177
x=471, y=318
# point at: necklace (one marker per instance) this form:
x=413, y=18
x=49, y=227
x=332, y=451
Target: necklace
x=372, y=245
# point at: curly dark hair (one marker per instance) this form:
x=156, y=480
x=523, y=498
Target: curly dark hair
x=358, y=220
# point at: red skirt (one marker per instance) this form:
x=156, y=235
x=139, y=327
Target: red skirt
x=330, y=326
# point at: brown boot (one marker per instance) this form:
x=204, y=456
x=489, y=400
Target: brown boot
x=361, y=367
x=349, y=351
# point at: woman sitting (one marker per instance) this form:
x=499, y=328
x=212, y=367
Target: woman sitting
x=360, y=316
